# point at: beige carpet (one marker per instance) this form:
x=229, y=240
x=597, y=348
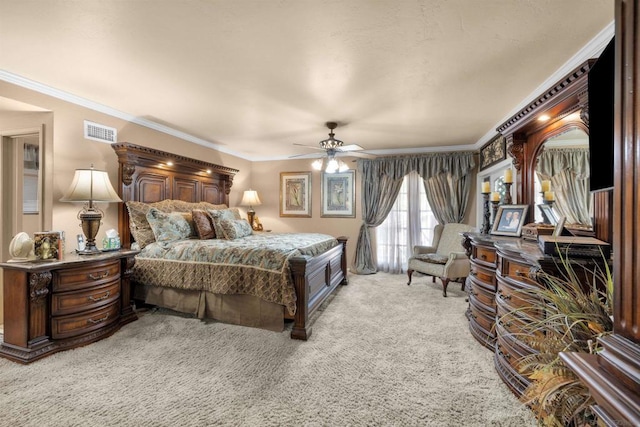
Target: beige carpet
x=382, y=354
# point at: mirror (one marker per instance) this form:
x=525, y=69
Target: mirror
x=562, y=168
x=31, y=174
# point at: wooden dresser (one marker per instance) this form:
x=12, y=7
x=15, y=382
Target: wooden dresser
x=58, y=305
x=513, y=275
x=500, y=268
x=481, y=286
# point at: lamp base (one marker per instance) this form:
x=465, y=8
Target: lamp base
x=89, y=250
x=90, y=222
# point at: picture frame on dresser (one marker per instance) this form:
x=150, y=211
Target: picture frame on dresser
x=295, y=194
x=509, y=220
x=548, y=214
x=337, y=195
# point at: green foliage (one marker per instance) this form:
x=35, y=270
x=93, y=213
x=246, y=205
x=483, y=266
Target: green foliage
x=568, y=314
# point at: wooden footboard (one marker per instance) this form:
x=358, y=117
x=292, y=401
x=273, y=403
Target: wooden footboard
x=315, y=278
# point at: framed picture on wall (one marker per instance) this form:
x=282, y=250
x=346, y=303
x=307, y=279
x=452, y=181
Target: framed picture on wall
x=509, y=220
x=493, y=151
x=337, y=195
x=295, y=194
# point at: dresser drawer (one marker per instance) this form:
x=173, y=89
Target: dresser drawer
x=78, y=324
x=514, y=297
x=508, y=321
x=84, y=300
x=484, y=255
x=483, y=319
x=92, y=275
x=483, y=274
x=513, y=354
x=481, y=293
x=518, y=271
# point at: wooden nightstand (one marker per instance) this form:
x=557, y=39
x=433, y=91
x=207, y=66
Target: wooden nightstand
x=58, y=305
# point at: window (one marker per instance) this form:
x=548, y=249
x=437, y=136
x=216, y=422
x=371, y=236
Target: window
x=410, y=222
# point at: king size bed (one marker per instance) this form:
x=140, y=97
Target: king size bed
x=251, y=279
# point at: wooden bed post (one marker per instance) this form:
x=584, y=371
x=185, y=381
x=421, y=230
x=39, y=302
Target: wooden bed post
x=343, y=259
x=301, y=330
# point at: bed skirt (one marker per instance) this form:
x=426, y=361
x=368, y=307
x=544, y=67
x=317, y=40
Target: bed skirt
x=243, y=310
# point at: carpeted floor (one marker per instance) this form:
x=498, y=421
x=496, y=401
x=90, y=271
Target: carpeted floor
x=382, y=354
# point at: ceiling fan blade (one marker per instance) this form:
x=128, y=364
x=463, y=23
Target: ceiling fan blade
x=361, y=154
x=306, y=156
x=350, y=147
x=310, y=146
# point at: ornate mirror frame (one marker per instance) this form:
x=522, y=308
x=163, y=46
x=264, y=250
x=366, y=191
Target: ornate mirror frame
x=566, y=106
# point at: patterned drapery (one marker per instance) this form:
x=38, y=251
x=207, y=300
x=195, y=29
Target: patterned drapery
x=447, y=185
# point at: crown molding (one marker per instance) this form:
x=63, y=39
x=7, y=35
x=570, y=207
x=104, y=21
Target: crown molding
x=593, y=49
x=86, y=103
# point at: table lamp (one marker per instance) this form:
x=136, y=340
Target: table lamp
x=250, y=198
x=90, y=186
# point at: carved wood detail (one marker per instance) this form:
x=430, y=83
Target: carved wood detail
x=551, y=96
x=145, y=176
x=127, y=173
x=39, y=286
x=515, y=148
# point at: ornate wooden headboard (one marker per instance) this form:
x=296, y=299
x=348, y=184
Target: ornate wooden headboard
x=149, y=175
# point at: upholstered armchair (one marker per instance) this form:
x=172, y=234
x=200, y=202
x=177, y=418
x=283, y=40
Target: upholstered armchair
x=445, y=258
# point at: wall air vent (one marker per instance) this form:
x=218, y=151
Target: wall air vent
x=100, y=133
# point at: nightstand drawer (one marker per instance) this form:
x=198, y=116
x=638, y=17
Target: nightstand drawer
x=73, y=302
x=78, y=324
x=87, y=276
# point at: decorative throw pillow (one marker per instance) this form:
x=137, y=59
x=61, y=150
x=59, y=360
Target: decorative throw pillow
x=189, y=217
x=432, y=258
x=222, y=214
x=168, y=227
x=235, y=228
x=138, y=224
x=204, y=224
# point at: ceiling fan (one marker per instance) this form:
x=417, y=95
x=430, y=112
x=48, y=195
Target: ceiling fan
x=333, y=146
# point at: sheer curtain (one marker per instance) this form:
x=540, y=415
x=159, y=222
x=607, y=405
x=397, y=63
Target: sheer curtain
x=410, y=222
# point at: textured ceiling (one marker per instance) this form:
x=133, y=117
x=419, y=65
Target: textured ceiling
x=255, y=77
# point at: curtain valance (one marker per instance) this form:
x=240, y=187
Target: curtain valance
x=426, y=165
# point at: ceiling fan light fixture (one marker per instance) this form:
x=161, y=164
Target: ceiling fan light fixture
x=317, y=164
x=332, y=166
x=343, y=167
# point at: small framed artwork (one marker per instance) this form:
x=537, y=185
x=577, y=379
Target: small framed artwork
x=337, y=194
x=493, y=151
x=548, y=214
x=295, y=194
x=559, y=227
x=509, y=220
x=47, y=245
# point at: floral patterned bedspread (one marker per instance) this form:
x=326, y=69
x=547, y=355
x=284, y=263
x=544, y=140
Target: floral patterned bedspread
x=256, y=265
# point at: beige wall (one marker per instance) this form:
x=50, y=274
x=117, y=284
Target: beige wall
x=70, y=151
x=266, y=181
x=67, y=150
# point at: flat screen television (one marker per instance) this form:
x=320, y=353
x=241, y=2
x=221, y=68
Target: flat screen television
x=601, y=102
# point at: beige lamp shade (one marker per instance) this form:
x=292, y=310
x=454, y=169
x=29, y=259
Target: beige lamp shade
x=250, y=198
x=90, y=185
